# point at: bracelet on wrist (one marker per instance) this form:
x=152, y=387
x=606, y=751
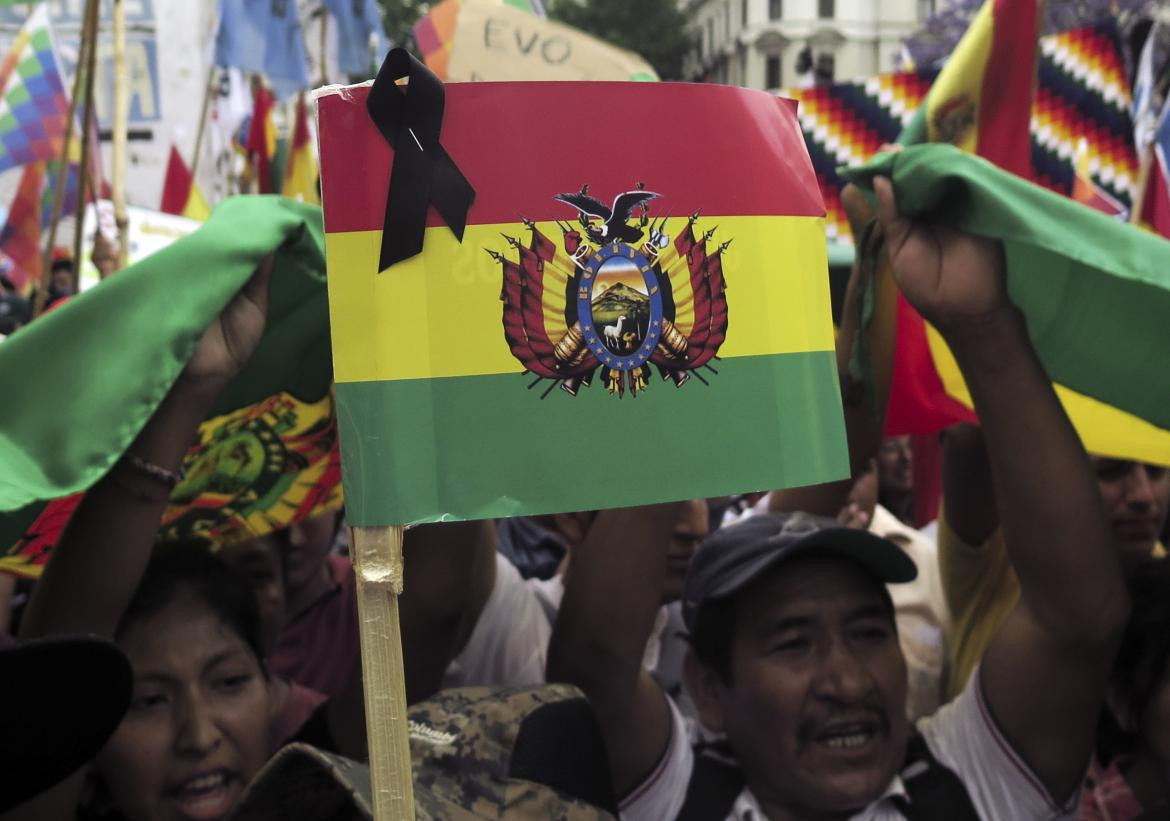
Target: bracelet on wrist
x=168, y=478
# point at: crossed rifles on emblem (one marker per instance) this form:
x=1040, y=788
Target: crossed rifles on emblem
x=622, y=310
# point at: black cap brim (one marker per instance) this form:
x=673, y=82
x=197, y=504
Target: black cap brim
x=883, y=559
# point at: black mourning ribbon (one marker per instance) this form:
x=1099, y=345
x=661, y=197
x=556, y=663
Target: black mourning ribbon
x=410, y=118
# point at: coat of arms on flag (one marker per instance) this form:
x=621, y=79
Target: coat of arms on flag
x=628, y=297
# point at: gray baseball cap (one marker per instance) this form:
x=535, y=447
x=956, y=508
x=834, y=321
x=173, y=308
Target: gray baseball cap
x=735, y=556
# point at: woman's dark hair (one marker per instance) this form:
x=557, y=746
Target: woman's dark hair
x=1141, y=662
x=190, y=567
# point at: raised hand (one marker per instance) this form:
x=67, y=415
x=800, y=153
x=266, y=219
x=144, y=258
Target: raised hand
x=947, y=275
x=232, y=336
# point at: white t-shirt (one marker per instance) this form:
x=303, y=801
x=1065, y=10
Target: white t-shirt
x=509, y=644
x=961, y=735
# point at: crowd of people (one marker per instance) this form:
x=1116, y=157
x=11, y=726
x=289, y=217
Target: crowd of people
x=805, y=653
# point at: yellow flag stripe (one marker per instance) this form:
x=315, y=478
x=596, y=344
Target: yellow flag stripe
x=1104, y=429
x=439, y=314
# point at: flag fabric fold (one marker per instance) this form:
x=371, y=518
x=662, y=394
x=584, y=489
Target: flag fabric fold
x=981, y=102
x=265, y=37
x=357, y=21
x=20, y=239
x=266, y=457
x=1095, y=291
x=139, y=328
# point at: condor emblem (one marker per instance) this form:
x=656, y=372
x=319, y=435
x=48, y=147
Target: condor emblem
x=616, y=297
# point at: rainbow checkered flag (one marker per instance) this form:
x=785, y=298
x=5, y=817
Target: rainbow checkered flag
x=34, y=106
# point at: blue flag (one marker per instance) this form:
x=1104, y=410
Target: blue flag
x=357, y=21
x=264, y=36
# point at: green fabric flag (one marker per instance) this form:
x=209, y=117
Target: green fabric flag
x=83, y=380
x=1095, y=291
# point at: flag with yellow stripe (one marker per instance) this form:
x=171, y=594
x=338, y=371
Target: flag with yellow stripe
x=638, y=310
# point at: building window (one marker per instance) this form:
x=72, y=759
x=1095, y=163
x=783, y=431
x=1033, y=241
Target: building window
x=743, y=12
x=775, y=9
x=825, y=9
x=711, y=35
x=772, y=72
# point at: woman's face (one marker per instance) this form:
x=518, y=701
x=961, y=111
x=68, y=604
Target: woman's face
x=197, y=728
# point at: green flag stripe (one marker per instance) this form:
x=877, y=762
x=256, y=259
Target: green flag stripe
x=591, y=451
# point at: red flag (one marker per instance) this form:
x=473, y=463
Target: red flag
x=1156, y=202
x=261, y=142
x=180, y=193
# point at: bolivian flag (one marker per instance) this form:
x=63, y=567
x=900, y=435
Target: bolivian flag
x=638, y=311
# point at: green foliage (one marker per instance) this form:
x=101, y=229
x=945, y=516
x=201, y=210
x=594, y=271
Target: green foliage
x=399, y=17
x=655, y=29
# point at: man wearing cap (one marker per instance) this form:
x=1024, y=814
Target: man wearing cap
x=794, y=655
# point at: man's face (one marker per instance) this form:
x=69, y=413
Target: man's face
x=815, y=709
x=258, y=560
x=1135, y=496
x=62, y=281
x=895, y=465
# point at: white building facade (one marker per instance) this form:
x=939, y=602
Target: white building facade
x=759, y=43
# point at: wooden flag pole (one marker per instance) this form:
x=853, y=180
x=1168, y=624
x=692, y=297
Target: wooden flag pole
x=86, y=132
x=121, y=123
x=324, y=62
x=207, y=91
x=88, y=23
x=378, y=566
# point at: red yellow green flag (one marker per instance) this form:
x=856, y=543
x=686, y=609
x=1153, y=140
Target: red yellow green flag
x=181, y=195
x=300, y=172
x=638, y=310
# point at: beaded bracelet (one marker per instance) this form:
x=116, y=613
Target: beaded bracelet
x=170, y=478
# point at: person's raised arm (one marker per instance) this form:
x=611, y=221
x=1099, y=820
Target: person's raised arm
x=450, y=572
x=1044, y=675
x=103, y=551
x=612, y=594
